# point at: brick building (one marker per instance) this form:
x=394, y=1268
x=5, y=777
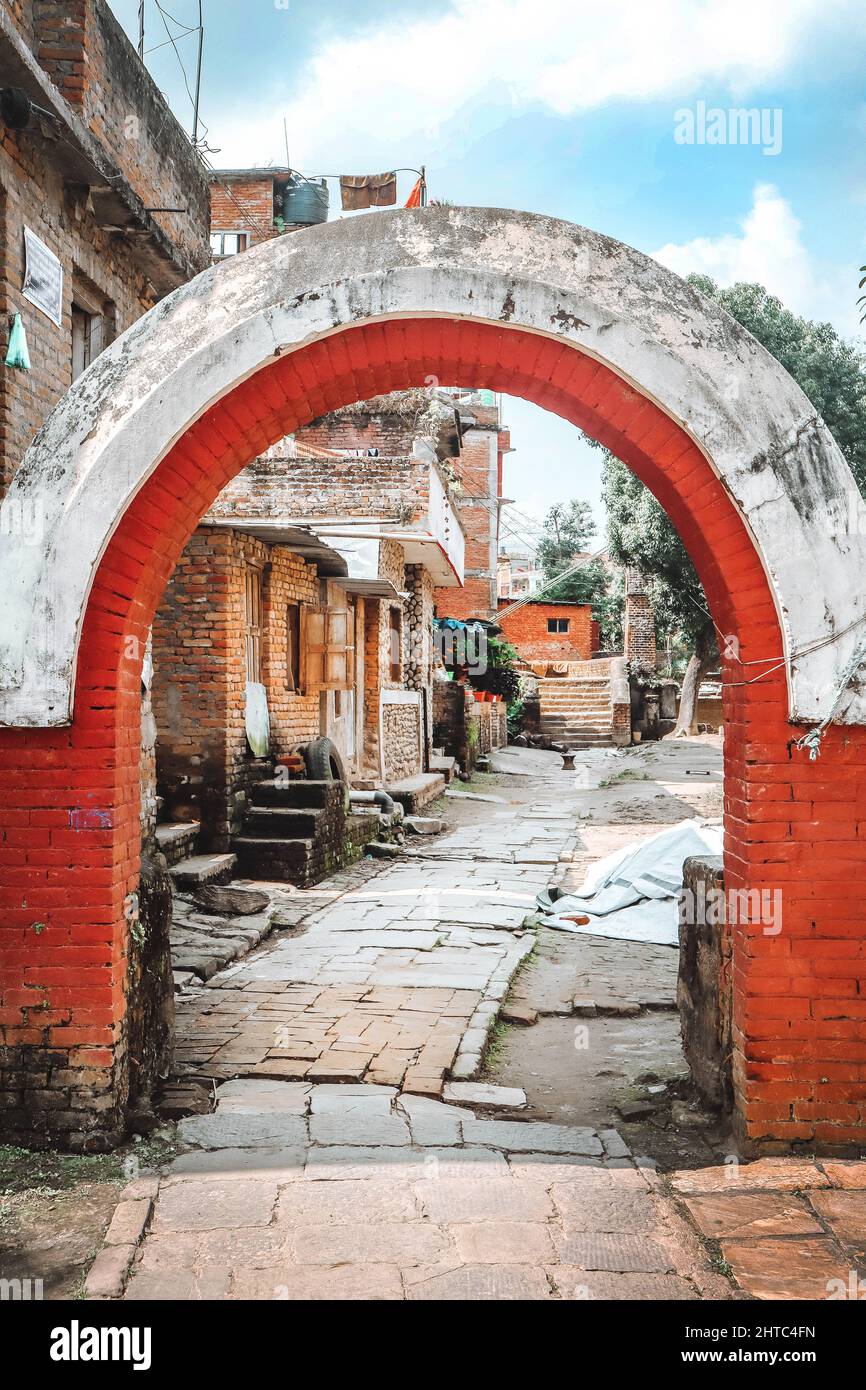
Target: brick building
x=518, y=574
x=550, y=632
x=311, y=578
x=84, y=178
x=478, y=474
x=249, y=206
x=639, y=629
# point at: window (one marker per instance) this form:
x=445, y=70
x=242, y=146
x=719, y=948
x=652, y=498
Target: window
x=293, y=646
x=93, y=322
x=557, y=624
x=253, y=625
x=224, y=244
x=395, y=647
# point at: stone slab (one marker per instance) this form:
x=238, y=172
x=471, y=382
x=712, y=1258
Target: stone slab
x=481, y=1096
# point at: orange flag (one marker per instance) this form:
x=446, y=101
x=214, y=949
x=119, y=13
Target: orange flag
x=414, y=199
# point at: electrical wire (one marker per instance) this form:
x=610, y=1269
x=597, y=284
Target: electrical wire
x=165, y=16
x=556, y=579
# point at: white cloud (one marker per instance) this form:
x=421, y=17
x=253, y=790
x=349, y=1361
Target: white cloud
x=394, y=88
x=769, y=250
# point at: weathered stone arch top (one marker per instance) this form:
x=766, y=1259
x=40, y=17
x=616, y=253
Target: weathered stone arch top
x=782, y=470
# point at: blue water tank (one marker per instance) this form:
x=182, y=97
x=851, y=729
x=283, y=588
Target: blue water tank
x=305, y=202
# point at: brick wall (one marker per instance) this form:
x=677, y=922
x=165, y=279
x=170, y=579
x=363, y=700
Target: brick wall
x=478, y=471
x=279, y=484
x=204, y=765
x=639, y=630
x=389, y=426
x=294, y=715
x=243, y=205
x=153, y=157
x=85, y=52
x=21, y=14
x=465, y=727
x=526, y=629
x=32, y=194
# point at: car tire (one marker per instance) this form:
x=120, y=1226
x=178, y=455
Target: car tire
x=323, y=762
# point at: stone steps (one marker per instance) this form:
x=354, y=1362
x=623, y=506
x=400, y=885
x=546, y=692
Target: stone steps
x=202, y=868
x=298, y=831
x=292, y=792
x=177, y=838
x=283, y=822
x=577, y=711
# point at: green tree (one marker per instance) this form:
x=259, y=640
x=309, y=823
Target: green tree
x=831, y=372
x=567, y=531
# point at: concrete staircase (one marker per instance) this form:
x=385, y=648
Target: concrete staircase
x=576, y=709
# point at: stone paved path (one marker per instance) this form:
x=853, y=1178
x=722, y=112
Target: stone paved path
x=330, y=1169
x=397, y=979
x=294, y=1191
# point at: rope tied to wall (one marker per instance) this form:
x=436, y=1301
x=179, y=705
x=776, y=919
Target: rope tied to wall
x=811, y=741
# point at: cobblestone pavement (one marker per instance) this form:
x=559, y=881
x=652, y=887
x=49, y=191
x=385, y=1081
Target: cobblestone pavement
x=308, y=1181
x=295, y=1191
x=397, y=978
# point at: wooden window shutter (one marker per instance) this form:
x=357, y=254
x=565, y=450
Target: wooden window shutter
x=328, y=648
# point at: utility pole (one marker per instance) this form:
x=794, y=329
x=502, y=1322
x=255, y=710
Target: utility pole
x=141, y=29
x=197, y=73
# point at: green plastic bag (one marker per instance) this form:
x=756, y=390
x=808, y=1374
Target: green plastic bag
x=16, y=353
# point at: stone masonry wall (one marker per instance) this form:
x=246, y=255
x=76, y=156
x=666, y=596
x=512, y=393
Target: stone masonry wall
x=400, y=725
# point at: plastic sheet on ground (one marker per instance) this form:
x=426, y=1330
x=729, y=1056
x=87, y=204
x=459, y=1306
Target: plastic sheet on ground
x=631, y=895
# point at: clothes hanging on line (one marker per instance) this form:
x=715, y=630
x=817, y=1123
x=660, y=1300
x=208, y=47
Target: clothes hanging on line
x=368, y=191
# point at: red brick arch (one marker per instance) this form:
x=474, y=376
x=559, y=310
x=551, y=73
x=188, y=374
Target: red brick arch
x=70, y=797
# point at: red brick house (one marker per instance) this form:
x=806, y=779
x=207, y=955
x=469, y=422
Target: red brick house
x=81, y=180
x=549, y=632
x=309, y=590
x=249, y=206
x=477, y=472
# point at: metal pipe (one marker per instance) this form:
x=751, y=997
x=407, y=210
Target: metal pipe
x=380, y=798
x=198, y=75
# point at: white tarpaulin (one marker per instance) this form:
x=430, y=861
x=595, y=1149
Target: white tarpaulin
x=632, y=893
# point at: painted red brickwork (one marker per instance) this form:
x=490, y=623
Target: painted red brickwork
x=526, y=628
x=69, y=797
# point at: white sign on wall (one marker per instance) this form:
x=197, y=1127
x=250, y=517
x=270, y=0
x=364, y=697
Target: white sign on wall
x=43, y=277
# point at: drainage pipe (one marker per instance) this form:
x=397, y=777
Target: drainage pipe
x=387, y=805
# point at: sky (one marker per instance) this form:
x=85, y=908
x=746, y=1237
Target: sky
x=613, y=115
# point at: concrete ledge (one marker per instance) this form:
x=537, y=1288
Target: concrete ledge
x=415, y=792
